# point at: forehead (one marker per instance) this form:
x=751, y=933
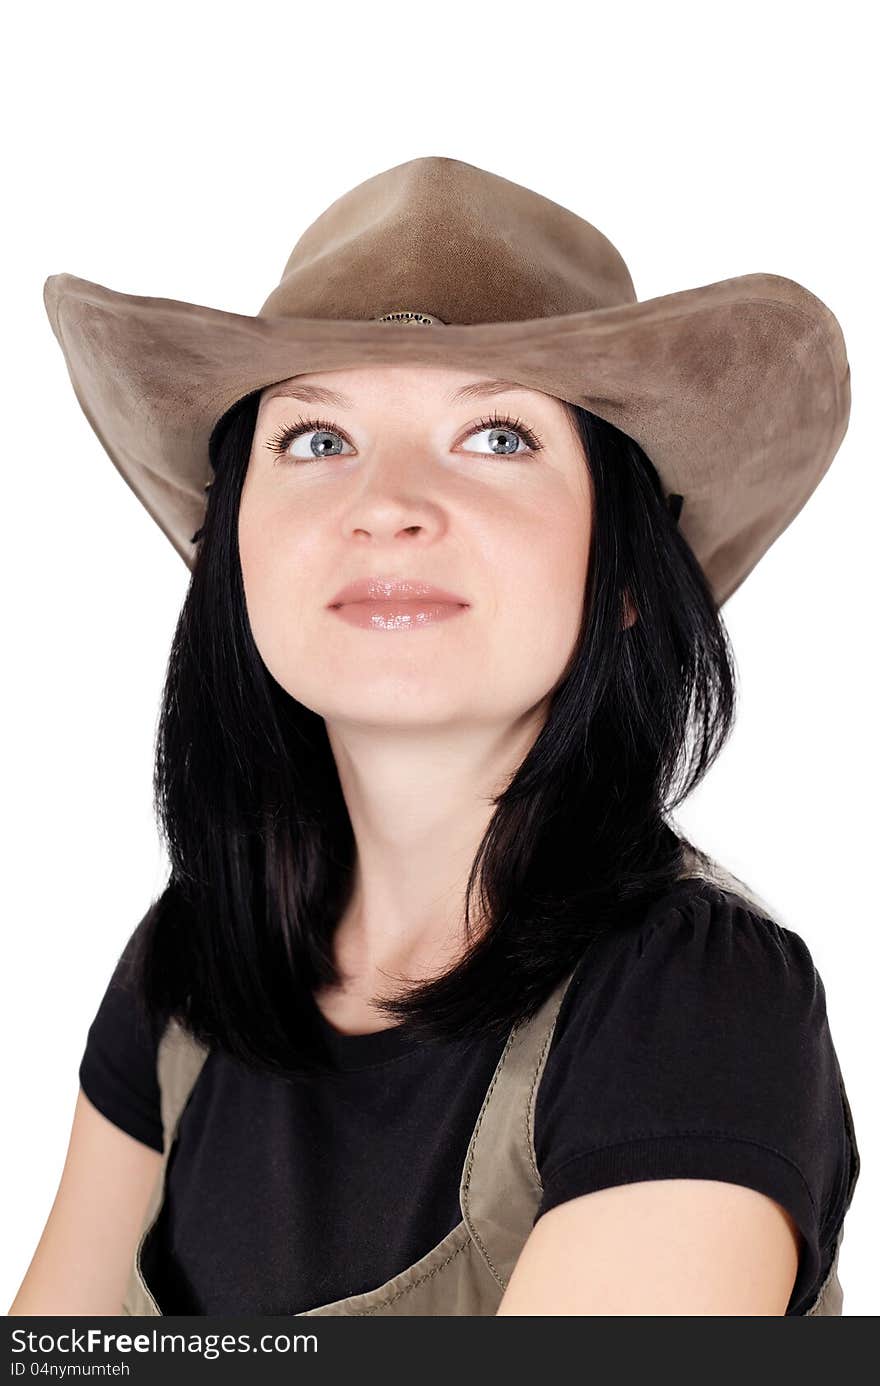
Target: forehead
x=346, y=389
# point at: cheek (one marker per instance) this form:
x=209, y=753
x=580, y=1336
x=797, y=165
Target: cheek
x=541, y=582
x=274, y=567
x=258, y=551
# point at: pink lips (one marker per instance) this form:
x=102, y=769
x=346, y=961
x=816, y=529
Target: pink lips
x=395, y=603
x=393, y=589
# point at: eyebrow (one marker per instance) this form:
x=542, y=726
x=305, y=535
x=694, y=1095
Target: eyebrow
x=317, y=394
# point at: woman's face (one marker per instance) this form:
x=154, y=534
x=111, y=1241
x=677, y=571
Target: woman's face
x=403, y=481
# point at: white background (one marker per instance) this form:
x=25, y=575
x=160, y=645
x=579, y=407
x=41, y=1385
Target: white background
x=179, y=151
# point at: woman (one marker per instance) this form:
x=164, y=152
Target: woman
x=437, y=1012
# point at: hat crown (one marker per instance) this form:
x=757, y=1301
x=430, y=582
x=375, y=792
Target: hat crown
x=446, y=240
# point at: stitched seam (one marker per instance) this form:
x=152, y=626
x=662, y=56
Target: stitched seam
x=470, y=1155
x=362, y=1313
x=454, y=1046
x=674, y=1135
x=341, y=1073
x=530, y=1148
x=166, y=1157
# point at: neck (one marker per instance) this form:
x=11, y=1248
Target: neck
x=419, y=801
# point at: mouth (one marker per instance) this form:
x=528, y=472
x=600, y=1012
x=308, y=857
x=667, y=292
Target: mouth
x=395, y=614
x=403, y=593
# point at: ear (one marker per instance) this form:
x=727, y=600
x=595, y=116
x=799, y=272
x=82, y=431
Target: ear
x=630, y=612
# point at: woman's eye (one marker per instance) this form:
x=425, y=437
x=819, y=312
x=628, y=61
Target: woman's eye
x=316, y=439
x=505, y=437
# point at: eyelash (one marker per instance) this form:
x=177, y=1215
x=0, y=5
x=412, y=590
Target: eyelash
x=282, y=440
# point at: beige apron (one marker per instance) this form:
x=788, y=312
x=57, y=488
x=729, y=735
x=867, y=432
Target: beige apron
x=500, y=1191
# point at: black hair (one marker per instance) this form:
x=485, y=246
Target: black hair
x=259, y=839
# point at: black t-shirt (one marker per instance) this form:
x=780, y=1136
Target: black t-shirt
x=694, y=1044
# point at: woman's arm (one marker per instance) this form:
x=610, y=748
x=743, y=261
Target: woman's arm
x=663, y=1246
x=83, y=1260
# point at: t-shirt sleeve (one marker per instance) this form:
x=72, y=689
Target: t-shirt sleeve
x=696, y=1045
x=117, y=1071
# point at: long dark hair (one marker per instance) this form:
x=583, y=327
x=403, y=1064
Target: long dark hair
x=260, y=843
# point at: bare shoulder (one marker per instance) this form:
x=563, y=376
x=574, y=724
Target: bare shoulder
x=663, y=1246
x=82, y=1261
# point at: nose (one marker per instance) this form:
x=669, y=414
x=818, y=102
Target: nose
x=394, y=498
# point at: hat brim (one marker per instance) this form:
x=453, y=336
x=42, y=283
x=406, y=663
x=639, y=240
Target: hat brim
x=738, y=391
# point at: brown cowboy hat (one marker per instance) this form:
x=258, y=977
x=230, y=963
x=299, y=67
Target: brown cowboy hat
x=738, y=391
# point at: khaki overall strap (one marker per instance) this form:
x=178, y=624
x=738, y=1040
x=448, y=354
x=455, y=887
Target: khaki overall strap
x=500, y=1186
x=700, y=865
x=179, y=1060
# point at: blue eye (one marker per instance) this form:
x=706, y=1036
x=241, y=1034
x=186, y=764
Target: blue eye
x=282, y=440
x=508, y=428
